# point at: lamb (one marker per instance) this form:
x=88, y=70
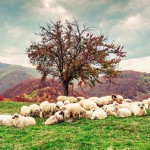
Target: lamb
x=25, y=111
x=99, y=114
x=138, y=109
x=57, y=118
x=21, y=121
x=6, y=120
x=35, y=110
x=88, y=105
x=75, y=110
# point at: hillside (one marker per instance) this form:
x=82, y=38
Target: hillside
x=11, y=75
x=130, y=84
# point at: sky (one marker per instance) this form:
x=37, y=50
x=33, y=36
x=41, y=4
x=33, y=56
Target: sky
x=127, y=22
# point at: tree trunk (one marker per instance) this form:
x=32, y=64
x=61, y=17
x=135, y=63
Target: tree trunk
x=65, y=88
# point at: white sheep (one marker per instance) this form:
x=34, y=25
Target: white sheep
x=123, y=105
x=80, y=98
x=21, y=121
x=99, y=114
x=138, y=109
x=61, y=98
x=75, y=110
x=123, y=112
x=147, y=103
x=25, y=111
x=35, y=109
x=109, y=109
x=89, y=113
x=88, y=104
x=72, y=99
x=6, y=120
x=66, y=102
x=60, y=104
x=57, y=118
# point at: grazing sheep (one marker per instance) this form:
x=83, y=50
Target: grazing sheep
x=99, y=114
x=75, y=110
x=6, y=120
x=88, y=105
x=138, y=109
x=66, y=102
x=21, y=121
x=25, y=111
x=57, y=118
x=35, y=110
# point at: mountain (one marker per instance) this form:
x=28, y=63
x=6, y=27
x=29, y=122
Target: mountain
x=11, y=75
x=130, y=84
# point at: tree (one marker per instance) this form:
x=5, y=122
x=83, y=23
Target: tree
x=68, y=52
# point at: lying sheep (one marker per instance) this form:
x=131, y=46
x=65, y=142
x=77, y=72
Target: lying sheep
x=138, y=109
x=61, y=98
x=25, y=111
x=89, y=113
x=123, y=105
x=88, y=105
x=57, y=118
x=109, y=109
x=72, y=99
x=147, y=103
x=60, y=104
x=75, y=110
x=21, y=121
x=99, y=114
x=48, y=109
x=6, y=120
x=35, y=110
x=66, y=102
x=122, y=112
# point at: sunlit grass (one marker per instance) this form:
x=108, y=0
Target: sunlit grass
x=85, y=134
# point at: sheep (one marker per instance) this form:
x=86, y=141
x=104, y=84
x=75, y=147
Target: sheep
x=88, y=105
x=48, y=108
x=93, y=99
x=109, y=109
x=138, y=109
x=75, y=110
x=66, y=102
x=21, y=121
x=122, y=112
x=123, y=105
x=57, y=118
x=80, y=98
x=35, y=110
x=72, y=99
x=89, y=113
x=147, y=103
x=60, y=104
x=6, y=120
x=99, y=114
x=25, y=111
x=61, y=98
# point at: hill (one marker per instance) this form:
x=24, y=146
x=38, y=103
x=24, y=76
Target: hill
x=130, y=84
x=85, y=134
x=11, y=75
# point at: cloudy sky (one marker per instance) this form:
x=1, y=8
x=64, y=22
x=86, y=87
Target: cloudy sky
x=125, y=21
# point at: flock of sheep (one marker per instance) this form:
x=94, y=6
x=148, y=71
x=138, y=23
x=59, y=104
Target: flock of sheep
x=75, y=108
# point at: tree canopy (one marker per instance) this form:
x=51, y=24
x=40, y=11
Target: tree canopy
x=68, y=51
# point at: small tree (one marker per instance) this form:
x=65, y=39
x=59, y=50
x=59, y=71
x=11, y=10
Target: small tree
x=68, y=52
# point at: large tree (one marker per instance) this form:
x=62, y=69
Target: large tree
x=68, y=51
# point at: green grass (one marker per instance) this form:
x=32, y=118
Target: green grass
x=85, y=134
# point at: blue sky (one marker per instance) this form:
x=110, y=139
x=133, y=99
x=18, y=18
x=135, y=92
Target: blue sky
x=125, y=21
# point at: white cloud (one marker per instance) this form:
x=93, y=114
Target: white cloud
x=137, y=64
x=10, y=51
x=16, y=60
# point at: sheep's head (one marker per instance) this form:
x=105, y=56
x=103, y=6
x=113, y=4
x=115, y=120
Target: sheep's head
x=15, y=116
x=142, y=106
x=62, y=113
x=114, y=97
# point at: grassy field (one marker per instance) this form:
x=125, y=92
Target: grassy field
x=85, y=134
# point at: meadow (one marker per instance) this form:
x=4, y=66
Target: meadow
x=111, y=133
